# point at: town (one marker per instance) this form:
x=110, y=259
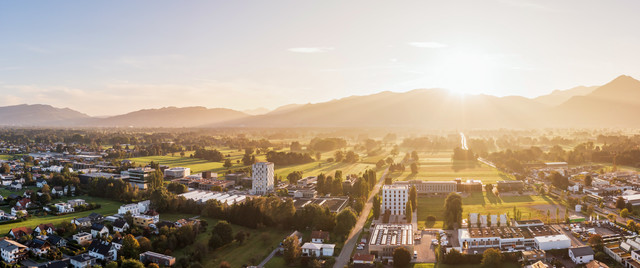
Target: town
x=243, y=202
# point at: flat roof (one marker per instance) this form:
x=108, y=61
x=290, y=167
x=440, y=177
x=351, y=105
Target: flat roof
x=392, y=235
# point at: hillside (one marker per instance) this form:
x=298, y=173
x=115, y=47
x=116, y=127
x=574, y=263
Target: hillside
x=38, y=115
x=558, y=97
x=170, y=117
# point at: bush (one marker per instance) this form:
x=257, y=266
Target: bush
x=431, y=218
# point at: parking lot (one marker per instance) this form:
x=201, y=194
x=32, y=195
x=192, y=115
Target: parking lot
x=425, y=248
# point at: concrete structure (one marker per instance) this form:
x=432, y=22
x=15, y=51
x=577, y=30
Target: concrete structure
x=138, y=177
x=581, y=255
x=83, y=260
x=160, y=259
x=394, y=199
x=143, y=220
x=431, y=187
x=82, y=238
x=204, y=196
x=387, y=237
x=177, y=172
x=510, y=186
x=262, y=178
x=513, y=238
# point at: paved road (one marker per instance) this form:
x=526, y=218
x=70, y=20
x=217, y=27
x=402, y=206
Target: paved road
x=345, y=255
x=268, y=258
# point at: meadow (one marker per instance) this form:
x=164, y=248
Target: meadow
x=531, y=207
x=258, y=244
x=438, y=166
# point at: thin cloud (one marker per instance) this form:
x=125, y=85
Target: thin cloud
x=310, y=49
x=427, y=44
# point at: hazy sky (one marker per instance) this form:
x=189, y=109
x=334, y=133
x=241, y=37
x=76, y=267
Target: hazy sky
x=109, y=57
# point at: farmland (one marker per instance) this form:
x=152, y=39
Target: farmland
x=531, y=206
x=438, y=166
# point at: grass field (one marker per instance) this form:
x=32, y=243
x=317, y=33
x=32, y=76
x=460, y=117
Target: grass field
x=532, y=207
x=199, y=165
x=254, y=249
x=440, y=265
x=437, y=166
x=109, y=207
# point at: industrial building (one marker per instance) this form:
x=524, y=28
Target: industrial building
x=387, y=237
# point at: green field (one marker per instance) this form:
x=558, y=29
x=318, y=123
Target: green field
x=438, y=166
x=198, y=165
x=109, y=207
x=532, y=207
x=254, y=249
x=440, y=265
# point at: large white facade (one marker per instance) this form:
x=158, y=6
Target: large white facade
x=394, y=199
x=177, y=172
x=262, y=178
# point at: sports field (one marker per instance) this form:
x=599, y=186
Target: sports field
x=438, y=166
x=531, y=207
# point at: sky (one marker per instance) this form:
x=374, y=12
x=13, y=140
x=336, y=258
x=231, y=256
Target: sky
x=112, y=57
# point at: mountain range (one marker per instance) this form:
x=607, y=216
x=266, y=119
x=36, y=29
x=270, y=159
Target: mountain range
x=614, y=104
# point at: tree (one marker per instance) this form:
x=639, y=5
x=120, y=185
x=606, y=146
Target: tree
x=492, y=258
x=131, y=263
x=413, y=197
x=130, y=247
x=401, y=257
x=294, y=177
x=345, y=220
x=376, y=206
x=624, y=213
x=414, y=168
x=145, y=244
x=489, y=188
x=240, y=237
x=621, y=203
x=222, y=234
x=588, y=180
x=409, y=211
x=612, y=217
x=339, y=156
x=225, y=264
x=292, y=249
x=112, y=264
x=596, y=242
x=227, y=163
x=452, y=210
x=153, y=265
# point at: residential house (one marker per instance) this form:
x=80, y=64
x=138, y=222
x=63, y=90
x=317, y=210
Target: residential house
x=82, y=222
x=581, y=255
x=319, y=237
x=20, y=232
x=82, y=238
x=142, y=220
x=317, y=250
x=134, y=209
x=12, y=251
x=95, y=217
x=596, y=264
x=83, y=260
x=39, y=247
x=154, y=214
x=120, y=226
x=99, y=230
x=77, y=202
x=57, y=191
x=363, y=258
x=160, y=259
x=57, y=241
x=18, y=210
x=117, y=242
x=103, y=250
x=23, y=203
x=64, y=263
x=64, y=208
x=15, y=186
x=48, y=228
x=40, y=183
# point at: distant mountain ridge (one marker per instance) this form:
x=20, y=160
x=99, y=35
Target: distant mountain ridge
x=614, y=104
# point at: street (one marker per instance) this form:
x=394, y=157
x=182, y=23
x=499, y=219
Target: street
x=345, y=255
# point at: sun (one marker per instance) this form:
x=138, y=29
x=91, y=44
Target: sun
x=468, y=72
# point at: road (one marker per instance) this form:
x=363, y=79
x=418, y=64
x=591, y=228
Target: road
x=345, y=255
x=268, y=258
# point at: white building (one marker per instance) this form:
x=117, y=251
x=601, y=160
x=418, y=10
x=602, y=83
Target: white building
x=394, y=199
x=317, y=250
x=12, y=251
x=64, y=208
x=262, y=178
x=82, y=238
x=552, y=242
x=177, y=172
x=581, y=255
x=135, y=208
